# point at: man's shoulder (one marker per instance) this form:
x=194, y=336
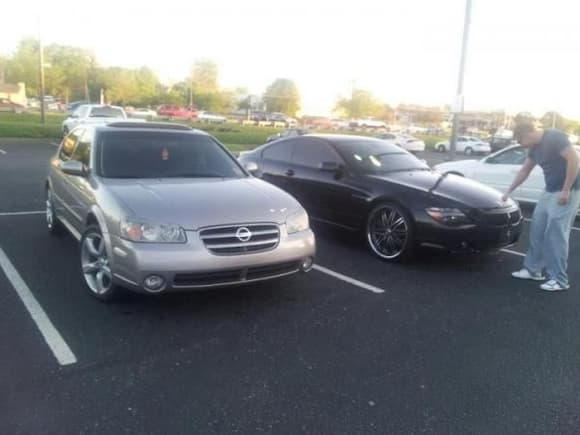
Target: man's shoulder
x=553, y=134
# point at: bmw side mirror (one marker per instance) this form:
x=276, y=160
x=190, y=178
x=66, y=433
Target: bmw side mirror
x=251, y=167
x=329, y=167
x=75, y=168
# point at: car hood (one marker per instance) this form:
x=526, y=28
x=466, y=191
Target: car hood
x=452, y=187
x=197, y=203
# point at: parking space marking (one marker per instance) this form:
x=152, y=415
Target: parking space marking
x=58, y=346
x=2, y=151
x=54, y=144
x=21, y=213
x=509, y=251
x=573, y=228
x=348, y=279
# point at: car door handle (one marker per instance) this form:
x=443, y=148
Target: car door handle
x=289, y=172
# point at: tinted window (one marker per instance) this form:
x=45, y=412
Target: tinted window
x=106, y=112
x=280, y=151
x=68, y=144
x=377, y=156
x=129, y=154
x=312, y=152
x=82, y=152
x=515, y=156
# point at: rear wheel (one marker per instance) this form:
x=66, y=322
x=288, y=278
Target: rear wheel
x=441, y=148
x=468, y=151
x=95, y=265
x=390, y=232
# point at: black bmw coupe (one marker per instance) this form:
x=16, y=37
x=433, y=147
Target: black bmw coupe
x=366, y=184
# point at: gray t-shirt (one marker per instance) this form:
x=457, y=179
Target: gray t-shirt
x=547, y=155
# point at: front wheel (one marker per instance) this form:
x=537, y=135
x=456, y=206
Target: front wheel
x=95, y=265
x=390, y=232
x=468, y=151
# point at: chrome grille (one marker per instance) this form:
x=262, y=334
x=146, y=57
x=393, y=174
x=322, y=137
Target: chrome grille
x=240, y=239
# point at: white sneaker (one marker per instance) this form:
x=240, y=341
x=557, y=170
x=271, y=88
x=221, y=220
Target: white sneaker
x=526, y=274
x=554, y=286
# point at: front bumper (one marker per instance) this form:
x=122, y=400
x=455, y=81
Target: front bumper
x=469, y=239
x=190, y=265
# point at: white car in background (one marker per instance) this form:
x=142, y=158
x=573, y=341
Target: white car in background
x=143, y=113
x=205, y=116
x=468, y=145
x=405, y=141
x=95, y=114
x=498, y=170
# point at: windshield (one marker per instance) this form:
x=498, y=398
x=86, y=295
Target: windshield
x=106, y=112
x=128, y=154
x=372, y=156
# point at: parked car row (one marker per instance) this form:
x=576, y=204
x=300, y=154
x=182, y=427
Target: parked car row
x=465, y=144
x=120, y=188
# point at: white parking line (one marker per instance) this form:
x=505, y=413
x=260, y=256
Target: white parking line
x=348, y=279
x=59, y=347
x=509, y=251
x=21, y=213
x=54, y=144
x=573, y=228
x=2, y=151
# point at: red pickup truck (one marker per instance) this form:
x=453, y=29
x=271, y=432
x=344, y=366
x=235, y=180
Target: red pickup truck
x=172, y=111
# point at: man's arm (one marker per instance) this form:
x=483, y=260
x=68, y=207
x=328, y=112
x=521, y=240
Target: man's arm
x=569, y=154
x=523, y=174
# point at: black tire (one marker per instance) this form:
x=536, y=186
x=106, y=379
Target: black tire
x=468, y=151
x=65, y=131
x=441, y=149
x=54, y=226
x=94, y=262
x=390, y=222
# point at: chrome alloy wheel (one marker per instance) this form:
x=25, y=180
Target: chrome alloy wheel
x=95, y=264
x=388, y=232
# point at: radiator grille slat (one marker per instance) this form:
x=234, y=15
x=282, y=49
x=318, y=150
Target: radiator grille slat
x=240, y=239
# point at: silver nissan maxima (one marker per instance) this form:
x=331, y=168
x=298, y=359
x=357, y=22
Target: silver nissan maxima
x=160, y=207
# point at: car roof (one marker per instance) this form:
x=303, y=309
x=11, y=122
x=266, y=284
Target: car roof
x=165, y=127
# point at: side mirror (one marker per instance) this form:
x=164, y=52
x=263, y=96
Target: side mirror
x=75, y=168
x=251, y=167
x=329, y=167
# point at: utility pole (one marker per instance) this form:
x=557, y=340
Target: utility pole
x=459, y=102
x=41, y=67
x=553, y=119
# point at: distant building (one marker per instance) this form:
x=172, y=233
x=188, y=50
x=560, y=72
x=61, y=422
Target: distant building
x=15, y=93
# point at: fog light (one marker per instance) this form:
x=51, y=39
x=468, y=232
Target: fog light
x=307, y=264
x=154, y=283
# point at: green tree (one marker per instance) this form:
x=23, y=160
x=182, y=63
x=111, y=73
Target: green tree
x=204, y=77
x=23, y=66
x=282, y=96
x=361, y=103
x=554, y=120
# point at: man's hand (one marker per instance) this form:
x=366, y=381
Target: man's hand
x=505, y=196
x=564, y=197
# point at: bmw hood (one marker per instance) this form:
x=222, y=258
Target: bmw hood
x=452, y=187
x=197, y=203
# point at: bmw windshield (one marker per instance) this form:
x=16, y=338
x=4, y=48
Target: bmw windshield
x=373, y=156
x=128, y=154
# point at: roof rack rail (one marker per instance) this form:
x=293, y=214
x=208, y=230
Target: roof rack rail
x=152, y=125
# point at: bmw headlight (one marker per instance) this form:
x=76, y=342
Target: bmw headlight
x=297, y=222
x=153, y=233
x=448, y=216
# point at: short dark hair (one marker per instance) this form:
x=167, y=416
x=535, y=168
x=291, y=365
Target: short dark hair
x=523, y=128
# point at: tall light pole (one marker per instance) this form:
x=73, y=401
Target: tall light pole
x=41, y=68
x=459, y=99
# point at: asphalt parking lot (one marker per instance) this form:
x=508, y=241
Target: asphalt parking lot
x=446, y=344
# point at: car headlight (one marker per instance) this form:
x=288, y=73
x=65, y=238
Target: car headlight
x=297, y=222
x=152, y=233
x=448, y=216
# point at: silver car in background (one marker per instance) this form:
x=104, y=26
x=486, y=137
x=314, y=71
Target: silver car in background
x=160, y=207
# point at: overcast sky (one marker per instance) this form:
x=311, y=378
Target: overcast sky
x=522, y=54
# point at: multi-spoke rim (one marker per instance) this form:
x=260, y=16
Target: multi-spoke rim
x=388, y=232
x=95, y=264
x=49, y=210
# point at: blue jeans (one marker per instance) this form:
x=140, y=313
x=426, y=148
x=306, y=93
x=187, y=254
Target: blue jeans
x=550, y=235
